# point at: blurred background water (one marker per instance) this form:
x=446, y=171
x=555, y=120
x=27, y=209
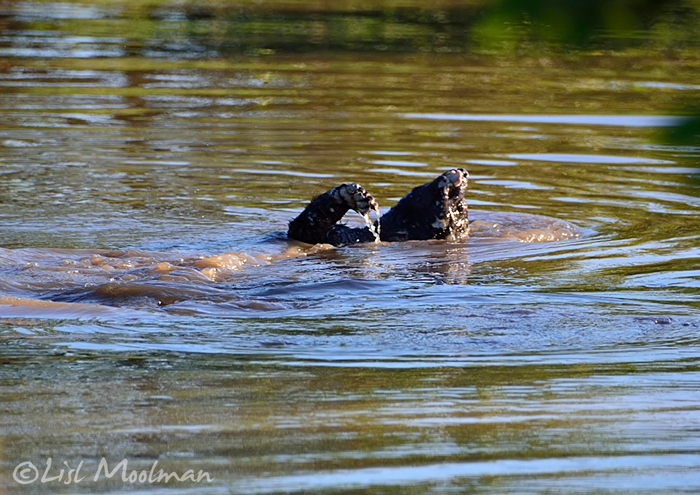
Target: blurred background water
x=152, y=310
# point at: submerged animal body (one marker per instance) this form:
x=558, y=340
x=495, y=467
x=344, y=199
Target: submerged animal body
x=436, y=210
x=69, y=283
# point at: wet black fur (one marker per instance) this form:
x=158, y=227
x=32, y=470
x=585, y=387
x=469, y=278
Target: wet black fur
x=424, y=213
x=316, y=222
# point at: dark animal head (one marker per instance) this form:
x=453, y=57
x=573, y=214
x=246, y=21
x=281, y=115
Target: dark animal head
x=436, y=210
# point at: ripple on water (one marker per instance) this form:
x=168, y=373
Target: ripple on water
x=497, y=364
x=461, y=471
x=604, y=159
x=587, y=120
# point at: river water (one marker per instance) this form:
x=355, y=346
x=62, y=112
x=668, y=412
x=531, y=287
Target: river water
x=152, y=310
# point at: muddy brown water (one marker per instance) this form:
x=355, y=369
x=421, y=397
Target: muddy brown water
x=152, y=310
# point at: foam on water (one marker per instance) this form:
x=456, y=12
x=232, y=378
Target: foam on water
x=374, y=227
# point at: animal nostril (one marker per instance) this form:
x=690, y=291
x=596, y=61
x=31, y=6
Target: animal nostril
x=460, y=176
x=463, y=177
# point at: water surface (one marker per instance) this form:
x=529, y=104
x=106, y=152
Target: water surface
x=151, y=308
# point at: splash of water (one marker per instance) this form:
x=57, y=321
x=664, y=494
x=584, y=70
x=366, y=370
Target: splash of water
x=374, y=227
